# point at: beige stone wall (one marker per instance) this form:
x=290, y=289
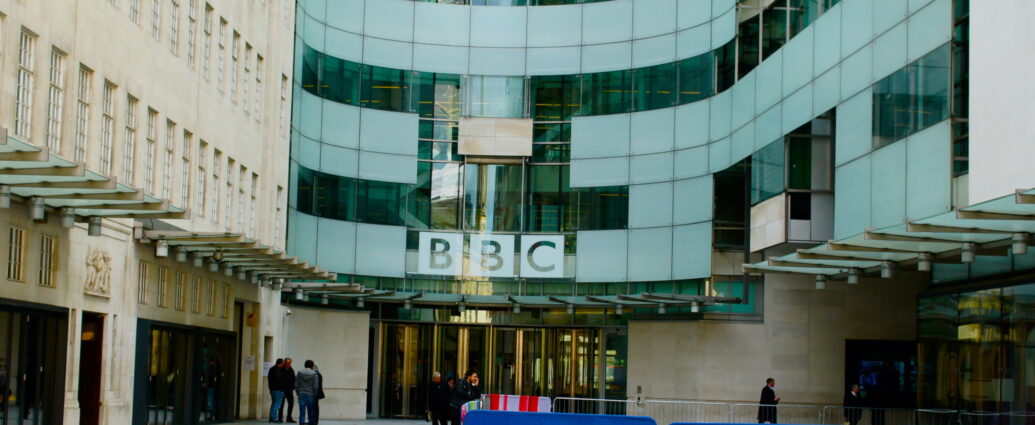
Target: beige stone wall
x=337, y=341
x=801, y=343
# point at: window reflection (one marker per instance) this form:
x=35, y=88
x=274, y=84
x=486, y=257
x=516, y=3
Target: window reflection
x=911, y=99
x=497, y=97
x=492, y=195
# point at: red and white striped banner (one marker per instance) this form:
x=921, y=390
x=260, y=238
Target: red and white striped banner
x=518, y=403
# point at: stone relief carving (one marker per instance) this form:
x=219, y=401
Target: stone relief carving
x=98, y=272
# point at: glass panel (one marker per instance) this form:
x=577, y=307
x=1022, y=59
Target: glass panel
x=606, y=93
x=418, y=200
x=603, y=208
x=310, y=77
x=774, y=29
x=498, y=97
x=340, y=80
x=655, y=87
x=695, y=78
x=385, y=88
x=379, y=202
x=551, y=153
x=767, y=172
x=437, y=95
x=304, y=186
x=748, y=46
x=493, y=197
x=438, y=151
x=912, y=98
x=445, y=195
x=439, y=130
x=551, y=132
x=554, y=98
x=799, y=157
x=550, y=206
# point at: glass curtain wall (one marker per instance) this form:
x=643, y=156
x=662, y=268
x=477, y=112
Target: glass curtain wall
x=977, y=352
x=912, y=98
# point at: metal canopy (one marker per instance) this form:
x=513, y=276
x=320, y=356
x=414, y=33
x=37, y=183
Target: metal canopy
x=993, y=227
x=240, y=254
x=33, y=172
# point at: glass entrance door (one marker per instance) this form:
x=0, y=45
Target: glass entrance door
x=526, y=361
x=32, y=366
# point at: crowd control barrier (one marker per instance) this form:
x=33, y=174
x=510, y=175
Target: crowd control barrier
x=496, y=417
x=746, y=413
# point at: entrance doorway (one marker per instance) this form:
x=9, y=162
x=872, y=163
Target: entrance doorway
x=33, y=346
x=90, y=360
x=553, y=362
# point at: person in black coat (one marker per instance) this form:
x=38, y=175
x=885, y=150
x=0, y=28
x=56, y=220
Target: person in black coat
x=767, y=404
x=275, y=380
x=439, y=397
x=289, y=389
x=853, y=402
x=466, y=390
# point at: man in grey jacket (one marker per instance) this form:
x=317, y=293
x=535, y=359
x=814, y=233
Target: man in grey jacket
x=307, y=384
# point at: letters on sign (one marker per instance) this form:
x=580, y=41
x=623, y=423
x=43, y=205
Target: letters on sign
x=490, y=255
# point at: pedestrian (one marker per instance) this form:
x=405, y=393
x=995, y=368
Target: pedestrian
x=274, y=378
x=767, y=404
x=210, y=381
x=452, y=413
x=853, y=402
x=289, y=389
x=319, y=396
x=466, y=390
x=307, y=385
x=439, y=396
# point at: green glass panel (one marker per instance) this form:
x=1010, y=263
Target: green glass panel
x=498, y=97
x=551, y=153
x=439, y=130
x=418, y=199
x=799, y=156
x=767, y=172
x=726, y=66
x=554, y=97
x=438, y=151
x=340, y=80
x=606, y=93
x=304, y=186
x=445, y=195
x=912, y=99
x=695, y=78
x=551, y=132
x=310, y=77
x=774, y=30
x=654, y=87
x=380, y=202
x=385, y=88
x=437, y=95
x=748, y=33
x=603, y=208
x=548, y=200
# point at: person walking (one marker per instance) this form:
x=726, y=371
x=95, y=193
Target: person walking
x=439, y=397
x=767, y=404
x=307, y=385
x=466, y=390
x=275, y=378
x=853, y=402
x=289, y=389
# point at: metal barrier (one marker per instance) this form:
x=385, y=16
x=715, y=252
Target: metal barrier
x=937, y=417
x=598, y=406
x=669, y=411
x=996, y=418
x=745, y=413
x=837, y=415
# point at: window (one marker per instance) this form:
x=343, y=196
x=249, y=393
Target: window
x=134, y=11
x=233, y=65
x=82, y=121
x=185, y=178
x=16, y=254
x=163, y=287
x=129, y=140
x=202, y=178
x=245, y=102
x=259, y=63
x=206, y=48
x=192, y=24
x=227, y=301
x=240, y=199
x=276, y=218
x=56, y=100
x=26, y=85
x=252, y=206
x=156, y=19
x=283, y=118
x=167, y=163
x=195, y=295
x=48, y=261
x=211, y=298
x=180, y=292
x=107, y=127
x=214, y=203
x=149, y=151
x=229, y=194
x=221, y=57
x=174, y=27
x=143, y=274
x=912, y=98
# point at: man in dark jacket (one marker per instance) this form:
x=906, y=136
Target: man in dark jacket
x=275, y=379
x=289, y=389
x=439, y=397
x=853, y=402
x=466, y=390
x=767, y=404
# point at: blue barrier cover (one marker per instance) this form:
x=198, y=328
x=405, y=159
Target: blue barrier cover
x=496, y=417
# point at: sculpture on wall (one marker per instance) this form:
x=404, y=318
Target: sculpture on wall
x=98, y=272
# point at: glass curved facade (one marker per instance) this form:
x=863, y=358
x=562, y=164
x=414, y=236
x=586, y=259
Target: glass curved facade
x=511, y=2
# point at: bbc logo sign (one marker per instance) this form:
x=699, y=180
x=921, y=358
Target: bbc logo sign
x=490, y=255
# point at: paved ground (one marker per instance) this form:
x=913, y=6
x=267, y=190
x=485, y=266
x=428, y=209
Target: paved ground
x=352, y=422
